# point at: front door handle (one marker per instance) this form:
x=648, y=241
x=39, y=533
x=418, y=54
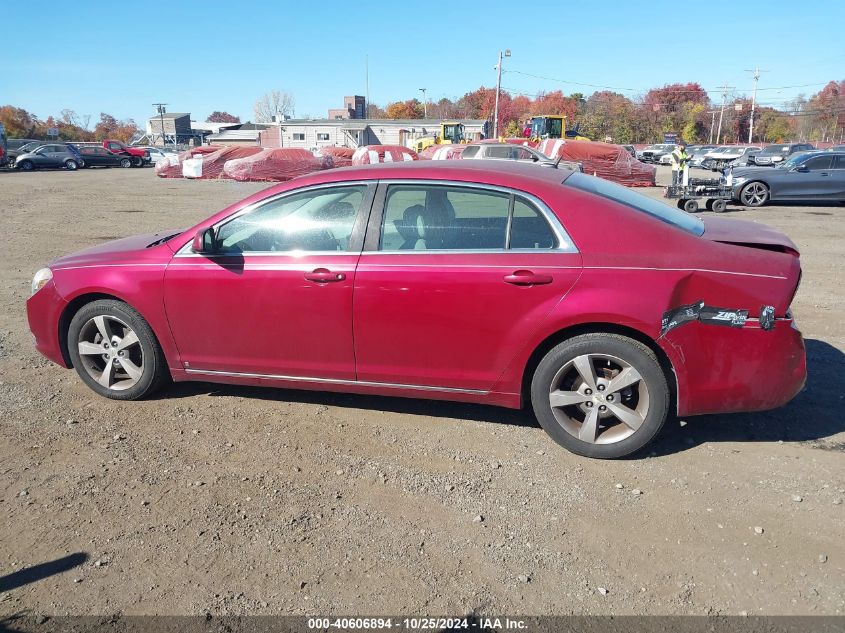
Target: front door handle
x=324, y=275
x=527, y=278
x=824, y=173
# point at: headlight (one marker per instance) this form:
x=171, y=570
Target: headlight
x=738, y=180
x=41, y=278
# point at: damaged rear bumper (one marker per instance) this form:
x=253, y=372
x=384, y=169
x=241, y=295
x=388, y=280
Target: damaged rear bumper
x=732, y=369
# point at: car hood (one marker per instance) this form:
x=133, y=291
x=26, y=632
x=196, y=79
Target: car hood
x=745, y=172
x=135, y=249
x=747, y=233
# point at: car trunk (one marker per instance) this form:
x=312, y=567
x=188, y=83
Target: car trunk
x=765, y=252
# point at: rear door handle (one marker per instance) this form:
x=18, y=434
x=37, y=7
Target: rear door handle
x=324, y=275
x=527, y=278
x=824, y=173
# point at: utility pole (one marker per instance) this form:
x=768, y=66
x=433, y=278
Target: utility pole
x=425, y=104
x=507, y=53
x=756, y=72
x=712, y=125
x=161, y=111
x=725, y=89
x=367, y=86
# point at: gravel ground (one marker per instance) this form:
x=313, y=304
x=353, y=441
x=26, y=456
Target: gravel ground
x=227, y=500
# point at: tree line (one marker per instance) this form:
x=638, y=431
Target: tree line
x=683, y=109
x=70, y=126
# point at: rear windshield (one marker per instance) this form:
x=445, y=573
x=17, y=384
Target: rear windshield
x=637, y=201
x=775, y=149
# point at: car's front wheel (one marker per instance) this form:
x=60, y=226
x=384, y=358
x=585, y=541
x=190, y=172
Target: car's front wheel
x=600, y=395
x=137, y=161
x=754, y=194
x=25, y=165
x=125, y=162
x=115, y=351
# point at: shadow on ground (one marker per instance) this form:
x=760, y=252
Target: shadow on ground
x=813, y=415
x=41, y=571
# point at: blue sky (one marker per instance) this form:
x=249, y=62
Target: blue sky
x=120, y=57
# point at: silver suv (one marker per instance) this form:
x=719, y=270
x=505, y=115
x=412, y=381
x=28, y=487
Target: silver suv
x=521, y=153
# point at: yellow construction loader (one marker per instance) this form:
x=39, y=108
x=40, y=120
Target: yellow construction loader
x=450, y=132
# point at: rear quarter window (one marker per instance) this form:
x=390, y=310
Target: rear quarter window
x=636, y=201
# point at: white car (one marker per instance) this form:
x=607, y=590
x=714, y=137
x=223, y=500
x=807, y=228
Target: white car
x=157, y=154
x=719, y=158
x=521, y=153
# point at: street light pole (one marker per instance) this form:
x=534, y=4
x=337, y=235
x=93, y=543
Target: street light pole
x=425, y=104
x=507, y=53
x=725, y=89
x=756, y=72
x=161, y=111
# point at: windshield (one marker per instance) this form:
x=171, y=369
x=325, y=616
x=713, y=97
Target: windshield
x=792, y=162
x=637, y=201
x=775, y=149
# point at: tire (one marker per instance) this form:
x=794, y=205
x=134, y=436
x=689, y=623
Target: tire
x=135, y=370
x=25, y=165
x=681, y=204
x=754, y=194
x=691, y=206
x=71, y=165
x=137, y=161
x=719, y=206
x=125, y=163
x=581, y=425
x=708, y=204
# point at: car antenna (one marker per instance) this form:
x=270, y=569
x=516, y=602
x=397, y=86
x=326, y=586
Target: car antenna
x=557, y=162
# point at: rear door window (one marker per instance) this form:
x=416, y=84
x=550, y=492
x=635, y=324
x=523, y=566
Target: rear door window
x=456, y=218
x=818, y=163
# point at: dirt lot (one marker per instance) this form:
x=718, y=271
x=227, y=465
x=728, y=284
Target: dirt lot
x=240, y=500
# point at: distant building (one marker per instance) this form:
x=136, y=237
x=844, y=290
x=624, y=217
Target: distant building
x=354, y=107
x=238, y=134
x=312, y=134
x=172, y=127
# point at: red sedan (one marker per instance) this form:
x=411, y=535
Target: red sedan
x=605, y=309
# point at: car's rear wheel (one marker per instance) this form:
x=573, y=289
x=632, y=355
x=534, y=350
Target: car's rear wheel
x=754, y=194
x=25, y=165
x=71, y=165
x=125, y=162
x=115, y=351
x=600, y=395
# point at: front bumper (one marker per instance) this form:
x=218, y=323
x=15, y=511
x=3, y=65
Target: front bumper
x=728, y=370
x=44, y=310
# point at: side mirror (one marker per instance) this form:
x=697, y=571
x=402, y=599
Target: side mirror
x=802, y=168
x=205, y=241
x=534, y=158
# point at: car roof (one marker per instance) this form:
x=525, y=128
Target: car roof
x=502, y=173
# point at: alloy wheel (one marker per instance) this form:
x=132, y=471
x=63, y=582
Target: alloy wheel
x=111, y=352
x=599, y=398
x=754, y=194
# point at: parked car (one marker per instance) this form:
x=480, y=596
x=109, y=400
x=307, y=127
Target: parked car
x=101, y=157
x=137, y=155
x=818, y=175
x=744, y=159
x=484, y=285
x=631, y=150
x=698, y=154
x=51, y=155
x=520, y=153
x=16, y=147
x=652, y=153
x=719, y=158
x=157, y=154
x=774, y=154
x=836, y=148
